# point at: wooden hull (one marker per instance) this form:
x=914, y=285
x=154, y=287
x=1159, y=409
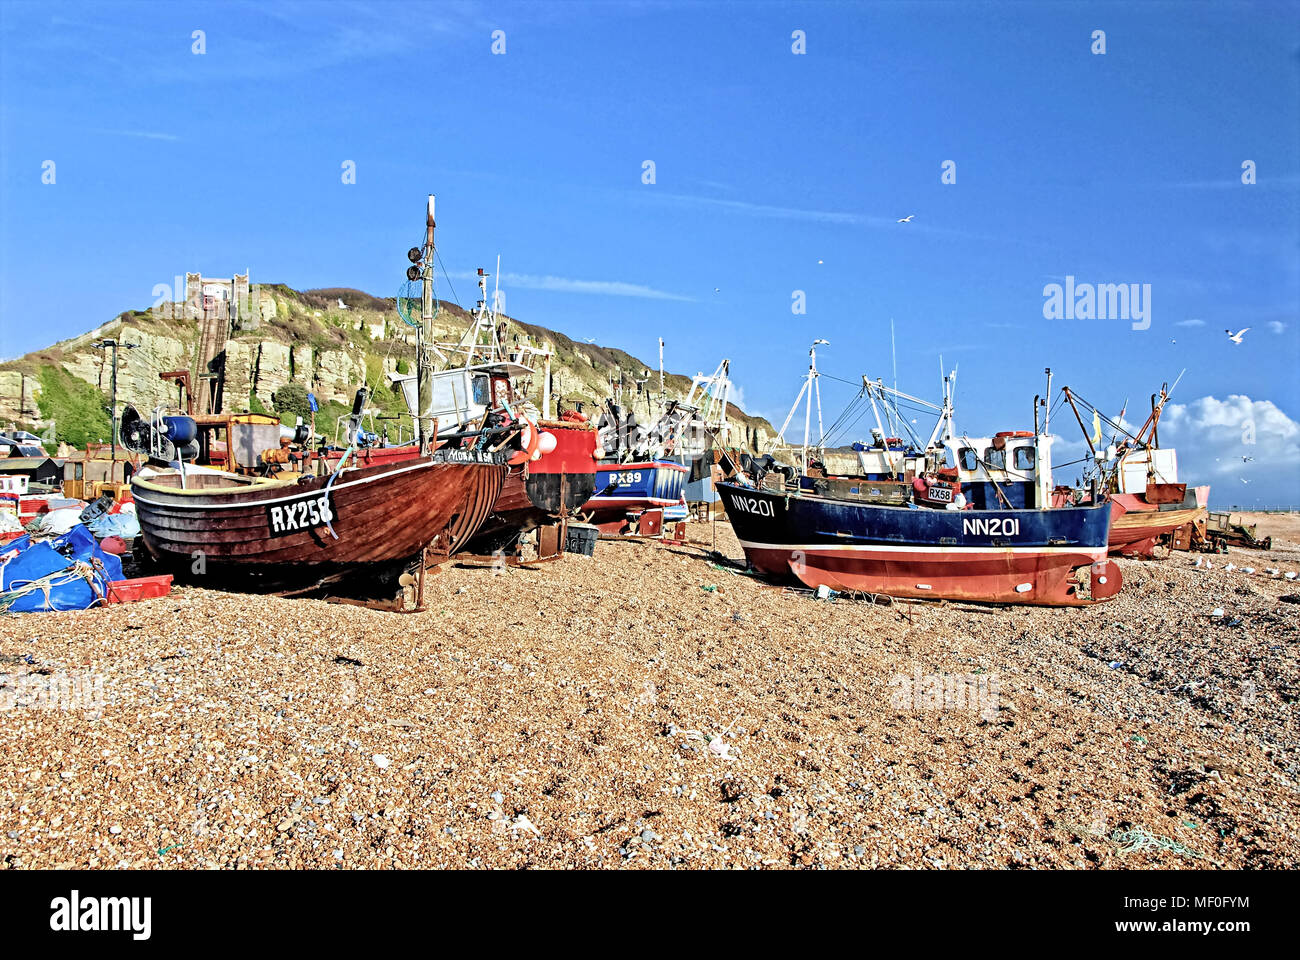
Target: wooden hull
x=1136, y=532
x=280, y=534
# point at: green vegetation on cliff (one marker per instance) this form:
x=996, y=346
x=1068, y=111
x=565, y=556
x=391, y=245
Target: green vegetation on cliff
x=351, y=335
x=291, y=403
x=79, y=411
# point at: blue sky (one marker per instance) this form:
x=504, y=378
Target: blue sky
x=1116, y=168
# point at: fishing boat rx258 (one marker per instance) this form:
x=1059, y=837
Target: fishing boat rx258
x=360, y=524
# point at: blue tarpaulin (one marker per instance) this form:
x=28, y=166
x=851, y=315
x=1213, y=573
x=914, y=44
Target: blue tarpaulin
x=124, y=525
x=70, y=572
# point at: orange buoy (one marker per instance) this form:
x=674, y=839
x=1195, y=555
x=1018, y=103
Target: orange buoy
x=529, y=437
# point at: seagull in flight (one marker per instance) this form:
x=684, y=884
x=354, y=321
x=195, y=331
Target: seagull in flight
x=1247, y=459
x=906, y=219
x=1243, y=480
x=1236, y=337
x=591, y=339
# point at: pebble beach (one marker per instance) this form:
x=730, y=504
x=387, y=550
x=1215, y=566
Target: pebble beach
x=656, y=707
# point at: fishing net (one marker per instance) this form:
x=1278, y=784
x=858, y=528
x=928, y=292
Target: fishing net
x=410, y=302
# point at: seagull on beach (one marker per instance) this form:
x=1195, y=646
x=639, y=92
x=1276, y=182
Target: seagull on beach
x=1236, y=337
x=906, y=219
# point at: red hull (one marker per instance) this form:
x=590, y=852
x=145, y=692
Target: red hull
x=1026, y=576
x=543, y=490
x=575, y=449
x=1136, y=532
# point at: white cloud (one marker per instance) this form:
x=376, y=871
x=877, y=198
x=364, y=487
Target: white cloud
x=747, y=208
x=611, y=288
x=768, y=210
x=1284, y=182
x=1213, y=435
x=1190, y=323
x=143, y=134
x=1277, y=326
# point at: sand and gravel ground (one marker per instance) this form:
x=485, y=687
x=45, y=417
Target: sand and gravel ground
x=561, y=717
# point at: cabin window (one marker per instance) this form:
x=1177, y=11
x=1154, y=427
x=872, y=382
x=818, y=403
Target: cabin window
x=995, y=458
x=948, y=460
x=969, y=461
x=218, y=451
x=1024, y=458
x=446, y=398
x=482, y=391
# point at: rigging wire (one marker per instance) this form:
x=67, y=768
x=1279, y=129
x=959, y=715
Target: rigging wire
x=851, y=383
x=847, y=429
x=838, y=423
x=454, y=295
x=1104, y=419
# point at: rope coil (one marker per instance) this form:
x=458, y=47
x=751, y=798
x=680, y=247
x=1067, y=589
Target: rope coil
x=80, y=570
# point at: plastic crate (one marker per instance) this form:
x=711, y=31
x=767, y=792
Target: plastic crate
x=141, y=588
x=581, y=538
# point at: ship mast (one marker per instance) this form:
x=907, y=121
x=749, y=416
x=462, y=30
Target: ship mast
x=426, y=319
x=811, y=386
